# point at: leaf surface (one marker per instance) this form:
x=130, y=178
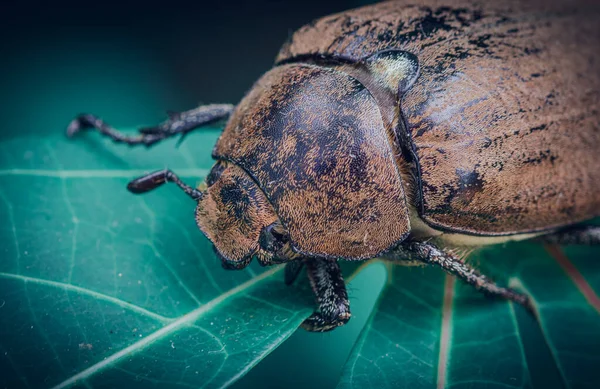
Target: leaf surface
x=429, y=330
x=107, y=288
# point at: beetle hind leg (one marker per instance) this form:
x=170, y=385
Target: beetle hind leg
x=330, y=290
x=428, y=253
x=177, y=124
x=580, y=235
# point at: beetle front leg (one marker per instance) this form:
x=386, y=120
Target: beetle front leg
x=330, y=290
x=292, y=270
x=153, y=180
x=428, y=253
x=580, y=235
x=177, y=124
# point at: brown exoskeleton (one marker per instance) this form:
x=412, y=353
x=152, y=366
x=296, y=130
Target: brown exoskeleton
x=403, y=131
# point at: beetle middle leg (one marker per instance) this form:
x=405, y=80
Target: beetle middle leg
x=177, y=124
x=330, y=290
x=426, y=252
x=579, y=235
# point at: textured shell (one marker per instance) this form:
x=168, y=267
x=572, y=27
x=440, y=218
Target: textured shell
x=314, y=140
x=504, y=118
x=232, y=213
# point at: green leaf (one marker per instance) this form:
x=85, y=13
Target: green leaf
x=430, y=331
x=99, y=287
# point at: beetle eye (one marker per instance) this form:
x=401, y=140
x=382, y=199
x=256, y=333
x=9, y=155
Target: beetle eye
x=271, y=239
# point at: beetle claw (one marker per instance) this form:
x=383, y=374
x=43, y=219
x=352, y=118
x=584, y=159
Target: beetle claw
x=319, y=323
x=181, y=139
x=81, y=122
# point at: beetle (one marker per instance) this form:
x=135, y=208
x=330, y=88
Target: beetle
x=403, y=132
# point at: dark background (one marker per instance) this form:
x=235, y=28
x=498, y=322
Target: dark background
x=144, y=57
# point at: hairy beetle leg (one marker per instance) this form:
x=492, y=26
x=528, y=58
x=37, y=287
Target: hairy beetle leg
x=155, y=179
x=428, y=253
x=330, y=290
x=292, y=270
x=580, y=235
x=177, y=124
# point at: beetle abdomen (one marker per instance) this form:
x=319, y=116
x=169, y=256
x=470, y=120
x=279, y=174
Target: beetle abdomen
x=504, y=117
x=507, y=132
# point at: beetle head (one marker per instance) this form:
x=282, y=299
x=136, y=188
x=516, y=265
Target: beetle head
x=239, y=220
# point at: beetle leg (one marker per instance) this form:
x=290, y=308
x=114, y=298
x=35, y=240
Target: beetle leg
x=428, y=253
x=292, y=270
x=155, y=179
x=330, y=290
x=581, y=235
x=177, y=124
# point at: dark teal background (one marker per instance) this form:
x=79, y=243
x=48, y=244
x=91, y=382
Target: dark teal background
x=131, y=61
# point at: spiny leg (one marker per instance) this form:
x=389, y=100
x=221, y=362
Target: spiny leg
x=428, y=253
x=155, y=179
x=330, y=290
x=177, y=124
x=292, y=270
x=580, y=235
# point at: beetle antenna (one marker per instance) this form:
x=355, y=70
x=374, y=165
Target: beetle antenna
x=155, y=179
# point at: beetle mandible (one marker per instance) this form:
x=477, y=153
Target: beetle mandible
x=403, y=131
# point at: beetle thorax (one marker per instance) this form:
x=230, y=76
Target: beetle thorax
x=313, y=140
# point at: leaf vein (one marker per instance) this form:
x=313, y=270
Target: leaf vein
x=169, y=328
x=78, y=289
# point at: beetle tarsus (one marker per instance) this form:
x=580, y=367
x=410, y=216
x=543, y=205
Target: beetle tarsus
x=328, y=285
x=177, y=124
x=579, y=235
x=155, y=179
x=88, y=121
x=428, y=253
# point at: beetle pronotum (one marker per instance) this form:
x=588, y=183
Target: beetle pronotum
x=403, y=131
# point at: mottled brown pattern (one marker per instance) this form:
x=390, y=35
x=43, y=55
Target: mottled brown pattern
x=314, y=140
x=232, y=213
x=504, y=118
x=414, y=25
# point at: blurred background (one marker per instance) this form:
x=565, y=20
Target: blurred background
x=130, y=61
x=144, y=57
